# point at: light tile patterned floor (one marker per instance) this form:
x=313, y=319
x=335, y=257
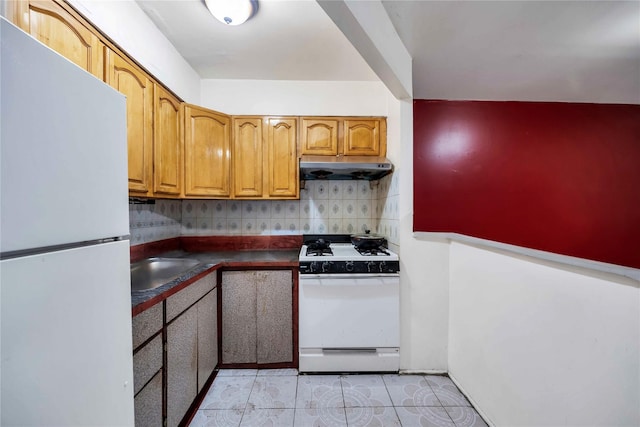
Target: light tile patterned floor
x=281, y=397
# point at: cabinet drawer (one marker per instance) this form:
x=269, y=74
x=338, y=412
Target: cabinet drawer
x=146, y=324
x=179, y=302
x=146, y=362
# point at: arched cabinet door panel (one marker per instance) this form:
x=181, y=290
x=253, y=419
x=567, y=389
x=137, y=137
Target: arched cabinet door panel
x=207, y=148
x=57, y=28
x=168, y=164
x=281, y=160
x=131, y=81
x=363, y=137
x=247, y=157
x=319, y=136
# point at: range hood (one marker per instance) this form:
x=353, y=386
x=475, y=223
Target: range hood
x=344, y=167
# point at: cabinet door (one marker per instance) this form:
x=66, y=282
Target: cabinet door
x=55, y=27
x=130, y=80
x=239, y=317
x=282, y=165
x=182, y=361
x=319, y=136
x=363, y=137
x=147, y=383
x=207, y=336
x=274, y=316
x=148, y=403
x=207, y=152
x=247, y=157
x=167, y=144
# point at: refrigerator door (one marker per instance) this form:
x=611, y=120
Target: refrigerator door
x=66, y=338
x=63, y=149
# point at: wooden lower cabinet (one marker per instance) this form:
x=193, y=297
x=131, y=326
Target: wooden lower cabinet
x=182, y=365
x=257, y=317
x=207, y=336
x=148, y=366
x=239, y=317
x=189, y=347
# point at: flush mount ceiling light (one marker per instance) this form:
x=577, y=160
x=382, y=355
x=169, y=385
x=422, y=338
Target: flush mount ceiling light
x=232, y=12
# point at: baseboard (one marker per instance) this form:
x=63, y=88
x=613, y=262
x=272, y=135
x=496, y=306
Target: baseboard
x=422, y=372
x=473, y=403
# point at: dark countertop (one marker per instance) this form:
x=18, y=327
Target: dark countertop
x=209, y=262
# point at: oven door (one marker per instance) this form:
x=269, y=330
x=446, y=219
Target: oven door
x=349, y=312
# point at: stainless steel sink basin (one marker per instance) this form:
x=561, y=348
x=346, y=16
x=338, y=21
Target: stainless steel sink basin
x=151, y=273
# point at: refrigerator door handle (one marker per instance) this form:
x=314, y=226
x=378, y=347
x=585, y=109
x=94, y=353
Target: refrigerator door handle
x=62, y=247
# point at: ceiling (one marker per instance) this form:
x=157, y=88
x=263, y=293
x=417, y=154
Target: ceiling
x=578, y=51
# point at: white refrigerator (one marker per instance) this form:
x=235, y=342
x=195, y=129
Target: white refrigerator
x=65, y=299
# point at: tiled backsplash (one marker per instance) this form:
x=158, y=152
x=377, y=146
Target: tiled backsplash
x=387, y=209
x=324, y=207
x=148, y=223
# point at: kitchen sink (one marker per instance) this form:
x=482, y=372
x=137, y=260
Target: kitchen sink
x=153, y=272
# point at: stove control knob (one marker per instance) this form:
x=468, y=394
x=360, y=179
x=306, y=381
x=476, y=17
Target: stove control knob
x=326, y=266
x=349, y=266
x=313, y=267
x=381, y=266
x=370, y=265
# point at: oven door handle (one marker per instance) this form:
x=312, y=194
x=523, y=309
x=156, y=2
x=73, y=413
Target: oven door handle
x=345, y=276
x=349, y=280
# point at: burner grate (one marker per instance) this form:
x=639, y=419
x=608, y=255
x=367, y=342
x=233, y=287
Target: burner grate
x=372, y=251
x=319, y=251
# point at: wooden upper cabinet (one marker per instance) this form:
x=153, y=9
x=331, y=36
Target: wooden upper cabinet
x=131, y=81
x=281, y=159
x=365, y=137
x=349, y=136
x=207, y=148
x=319, y=136
x=247, y=157
x=168, y=165
x=56, y=27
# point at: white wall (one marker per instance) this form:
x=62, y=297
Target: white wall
x=280, y=97
x=424, y=264
x=129, y=27
x=534, y=343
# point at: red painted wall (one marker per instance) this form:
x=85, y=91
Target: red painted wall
x=559, y=177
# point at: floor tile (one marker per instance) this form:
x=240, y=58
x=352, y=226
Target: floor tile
x=282, y=398
x=273, y=392
x=237, y=372
x=319, y=391
x=410, y=390
x=364, y=390
x=228, y=393
x=277, y=372
x=424, y=416
x=320, y=417
x=267, y=417
x=217, y=418
x=372, y=417
x=446, y=391
x=465, y=417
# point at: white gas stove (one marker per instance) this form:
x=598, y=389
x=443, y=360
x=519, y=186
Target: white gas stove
x=348, y=307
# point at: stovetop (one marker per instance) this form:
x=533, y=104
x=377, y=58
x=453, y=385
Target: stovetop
x=334, y=254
